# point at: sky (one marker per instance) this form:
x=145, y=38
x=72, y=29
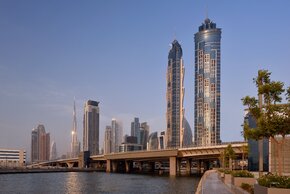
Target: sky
x=116, y=52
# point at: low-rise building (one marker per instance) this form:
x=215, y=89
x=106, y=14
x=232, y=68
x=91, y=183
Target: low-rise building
x=10, y=158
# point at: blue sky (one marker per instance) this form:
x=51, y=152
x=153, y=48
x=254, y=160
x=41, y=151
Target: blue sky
x=116, y=52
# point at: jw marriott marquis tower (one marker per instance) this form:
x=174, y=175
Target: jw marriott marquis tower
x=175, y=96
x=207, y=84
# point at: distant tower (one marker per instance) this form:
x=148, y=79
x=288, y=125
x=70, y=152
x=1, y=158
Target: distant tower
x=75, y=144
x=91, y=127
x=135, y=129
x=175, y=95
x=108, y=143
x=53, y=153
x=40, y=144
x=144, y=135
x=117, y=134
x=207, y=84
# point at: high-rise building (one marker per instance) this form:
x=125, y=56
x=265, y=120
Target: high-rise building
x=175, y=96
x=187, y=137
x=75, y=144
x=153, y=143
x=144, y=135
x=40, y=144
x=91, y=127
x=117, y=134
x=135, y=129
x=108, y=141
x=207, y=84
x=162, y=144
x=53, y=153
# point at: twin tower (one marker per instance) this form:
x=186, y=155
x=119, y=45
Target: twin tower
x=206, y=89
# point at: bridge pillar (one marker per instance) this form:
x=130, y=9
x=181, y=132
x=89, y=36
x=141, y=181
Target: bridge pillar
x=172, y=166
x=188, y=166
x=69, y=164
x=114, y=166
x=108, y=167
x=128, y=166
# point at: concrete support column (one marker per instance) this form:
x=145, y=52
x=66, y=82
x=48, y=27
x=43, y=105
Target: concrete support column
x=188, y=166
x=172, y=166
x=108, y=168
x=114, y=166
x=70, y=164
x=127, y=166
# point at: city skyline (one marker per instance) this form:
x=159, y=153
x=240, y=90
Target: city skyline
x=49, y=55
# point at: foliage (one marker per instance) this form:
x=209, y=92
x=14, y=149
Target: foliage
x=227, y=171
x=229, y=152
x=247, y=187
x=272, y=118
x=242, y=173
x=271, y=180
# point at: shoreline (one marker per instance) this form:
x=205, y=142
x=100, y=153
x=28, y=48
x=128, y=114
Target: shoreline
x=48, y=170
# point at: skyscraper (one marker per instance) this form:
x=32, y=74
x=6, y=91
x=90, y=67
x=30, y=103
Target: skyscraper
x=117, y=134
x=91, y=127
x=40, y=144
x=135, y=129
x=207, y=84
x=75, y=144
x=144, y=135
x=53, y=153
x=108, y=141
x=175, y=95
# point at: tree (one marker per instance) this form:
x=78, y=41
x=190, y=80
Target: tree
x=272, y=117
x=230, y=155
x=245, y=151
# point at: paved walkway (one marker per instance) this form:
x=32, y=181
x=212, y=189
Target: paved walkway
x=213, y=185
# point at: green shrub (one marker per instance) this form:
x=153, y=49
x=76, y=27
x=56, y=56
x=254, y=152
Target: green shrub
x=242, y=173
x=227, y=171
x=273, y=180
x=247, y=187
x=221, y=170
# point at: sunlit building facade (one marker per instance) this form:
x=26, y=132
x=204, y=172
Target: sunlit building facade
x=175, y=96
x=207, y=84
x=40, y=144
x=75, y=144
x=117, y=134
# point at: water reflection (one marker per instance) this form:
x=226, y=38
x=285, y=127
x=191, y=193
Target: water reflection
x=95, y=182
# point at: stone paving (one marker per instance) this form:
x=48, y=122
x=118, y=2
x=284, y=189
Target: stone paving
x=213, y=185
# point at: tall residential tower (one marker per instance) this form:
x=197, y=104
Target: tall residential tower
x=91, y=127
x=175, y=95
x=207, y=84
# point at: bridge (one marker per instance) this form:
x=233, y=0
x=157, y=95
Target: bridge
x=175, y=160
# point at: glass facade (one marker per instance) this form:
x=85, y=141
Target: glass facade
x=253, y=155
x=207, y=84
x=91, y=127
x=175, y=96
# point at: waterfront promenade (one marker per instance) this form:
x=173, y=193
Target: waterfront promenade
x=211, y=183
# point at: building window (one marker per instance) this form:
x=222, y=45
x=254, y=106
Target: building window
x=206, y=58
x=213, y=68
x=200, y=59
x=212, y=91
x=200, y=84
